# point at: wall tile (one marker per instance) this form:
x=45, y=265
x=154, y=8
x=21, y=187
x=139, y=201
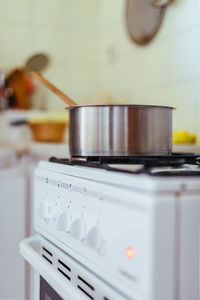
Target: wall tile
x=181, y=16
x=64, y=29
x=91, y=52
x=181, y=96
x=14, y=46
x=66, y=14
x=85, y=14
x=48, y=13
x=169, y=60
x=111, y=12
x=166, y=72
x=14, y=12
x=79, y=83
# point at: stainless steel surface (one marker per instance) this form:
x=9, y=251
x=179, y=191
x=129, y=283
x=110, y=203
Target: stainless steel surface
x=120, y=130
x=160, y=3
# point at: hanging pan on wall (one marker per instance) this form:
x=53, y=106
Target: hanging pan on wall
x=144, y=18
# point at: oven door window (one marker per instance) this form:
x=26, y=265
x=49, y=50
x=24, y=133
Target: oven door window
x=47, y=292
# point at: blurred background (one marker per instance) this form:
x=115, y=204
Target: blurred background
x=86, y=50
x=93, y=59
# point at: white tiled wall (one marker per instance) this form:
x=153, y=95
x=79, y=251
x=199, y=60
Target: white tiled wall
x=64, y=29
x=166, y=72
x=93, y=58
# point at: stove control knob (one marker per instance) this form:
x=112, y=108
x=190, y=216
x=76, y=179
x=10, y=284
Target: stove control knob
x=45, y=211
x=56, y=209
x=94, y=238
x=63, y=221
x=78, y=228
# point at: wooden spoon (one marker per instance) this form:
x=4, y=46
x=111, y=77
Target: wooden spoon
x=52, y=88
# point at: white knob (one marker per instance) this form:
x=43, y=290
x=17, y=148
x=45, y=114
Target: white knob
x=94, y=238
x=78, y=228
x=56, y=209
x=64, y=221
x=45, y=211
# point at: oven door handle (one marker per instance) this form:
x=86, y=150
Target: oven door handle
x=29, y=249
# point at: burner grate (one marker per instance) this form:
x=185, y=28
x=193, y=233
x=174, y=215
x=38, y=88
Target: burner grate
x=176, y=164
x=170, y=160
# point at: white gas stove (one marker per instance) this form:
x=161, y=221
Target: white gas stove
x=119, y=229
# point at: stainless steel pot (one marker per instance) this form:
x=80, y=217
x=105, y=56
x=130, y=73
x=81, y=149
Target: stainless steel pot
x=120, y=130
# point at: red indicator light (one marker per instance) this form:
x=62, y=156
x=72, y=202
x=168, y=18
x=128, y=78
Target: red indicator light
x=130, y=252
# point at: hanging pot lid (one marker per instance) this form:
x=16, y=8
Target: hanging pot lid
x=144, y=18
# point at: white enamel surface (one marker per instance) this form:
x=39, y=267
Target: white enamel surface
x=141, y=183
x=95, y=229
x=111, y=211
x=28, y=249
x=31, y=249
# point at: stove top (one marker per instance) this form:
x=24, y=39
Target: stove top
x=97, y=210
x=172, y=165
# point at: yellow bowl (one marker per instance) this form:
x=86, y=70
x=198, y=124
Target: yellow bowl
x=48, y=131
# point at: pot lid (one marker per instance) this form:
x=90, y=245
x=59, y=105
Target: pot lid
x=143, y=20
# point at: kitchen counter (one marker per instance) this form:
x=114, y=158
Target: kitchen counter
x=187, y=148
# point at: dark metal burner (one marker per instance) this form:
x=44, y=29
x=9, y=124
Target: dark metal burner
x=176, y=164
x=175, y=159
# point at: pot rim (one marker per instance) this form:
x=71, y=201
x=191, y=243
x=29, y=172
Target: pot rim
x=121, y=105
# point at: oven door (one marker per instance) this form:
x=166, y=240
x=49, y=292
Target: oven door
x=48, y=284
x=47, y=292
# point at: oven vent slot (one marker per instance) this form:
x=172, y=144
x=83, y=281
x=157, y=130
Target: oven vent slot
x=64, y=274
x=47, y=259
x=64, y=265
x=46, y=254
x=47, y=251
x=86, y=283
x=64, y=269
x=86, y=293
